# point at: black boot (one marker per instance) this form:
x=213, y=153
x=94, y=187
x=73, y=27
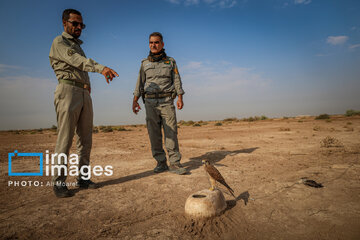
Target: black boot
x=161, y=167
x=62, y=191
x=86, y=184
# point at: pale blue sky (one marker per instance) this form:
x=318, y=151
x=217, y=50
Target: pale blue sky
x=237, y=58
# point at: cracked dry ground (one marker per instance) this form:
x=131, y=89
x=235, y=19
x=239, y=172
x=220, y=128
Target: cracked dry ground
x=262, y=161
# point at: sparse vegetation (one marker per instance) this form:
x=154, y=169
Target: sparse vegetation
x=316, y=128
x=284, y=129
x=230, y=119
x=196, y=125
x=218, y=124
x=323, y=116
x=107, y=129
x=201, y=122
x=53, y=128
x=120, y=128
x=186, y=123
x=330, y=142
x=256, y=118
x=352, y=112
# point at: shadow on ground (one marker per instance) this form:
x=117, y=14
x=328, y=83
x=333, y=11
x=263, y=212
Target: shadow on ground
x=195, y=162
x=232, y=203
x=214, y=157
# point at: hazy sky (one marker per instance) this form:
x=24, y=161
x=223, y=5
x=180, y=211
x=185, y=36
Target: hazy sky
x=237, y=58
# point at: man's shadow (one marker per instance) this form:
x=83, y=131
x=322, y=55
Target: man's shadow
x=194, y=163
x=214, y=157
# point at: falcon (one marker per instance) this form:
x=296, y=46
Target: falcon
x=215, y=176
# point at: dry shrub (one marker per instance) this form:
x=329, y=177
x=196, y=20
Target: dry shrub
x=230, y=119
x=352, y=112
x=283, y=129
x=316, y=128
x=323, y=116
x=186, y=123
x=330, y=142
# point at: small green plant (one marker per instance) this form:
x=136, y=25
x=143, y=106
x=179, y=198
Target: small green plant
x=196, y=125
x=352, y=112
x=218, y=124
x=323, y=116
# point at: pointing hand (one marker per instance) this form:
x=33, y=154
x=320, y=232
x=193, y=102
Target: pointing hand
x=109, y=74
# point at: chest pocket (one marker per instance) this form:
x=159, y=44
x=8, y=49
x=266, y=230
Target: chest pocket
x=148, y=67
x=165, y=70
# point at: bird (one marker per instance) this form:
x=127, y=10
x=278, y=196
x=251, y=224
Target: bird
x=215, y=176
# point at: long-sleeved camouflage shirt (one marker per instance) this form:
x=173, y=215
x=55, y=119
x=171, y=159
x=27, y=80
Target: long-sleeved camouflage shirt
x=159, y=77
x=69, y=61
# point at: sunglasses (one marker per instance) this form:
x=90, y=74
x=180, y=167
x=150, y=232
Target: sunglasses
x=75, y=24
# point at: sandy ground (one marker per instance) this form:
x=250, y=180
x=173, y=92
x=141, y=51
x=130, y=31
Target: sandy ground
x=262, y=161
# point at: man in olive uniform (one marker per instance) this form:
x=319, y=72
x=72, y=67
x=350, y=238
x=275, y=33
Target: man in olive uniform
x=72, y=99
x=159, y=83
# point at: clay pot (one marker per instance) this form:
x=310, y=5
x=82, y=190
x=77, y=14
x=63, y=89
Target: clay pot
x=205, y=203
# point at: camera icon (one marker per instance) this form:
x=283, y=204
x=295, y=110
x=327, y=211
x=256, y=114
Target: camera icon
x=15, y=153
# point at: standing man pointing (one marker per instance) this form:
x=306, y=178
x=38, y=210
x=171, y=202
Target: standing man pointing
x=72, y=98
x=159, y=83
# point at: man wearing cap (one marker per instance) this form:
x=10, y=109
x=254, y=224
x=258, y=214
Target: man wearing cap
x=159, y=83
x=72, y=98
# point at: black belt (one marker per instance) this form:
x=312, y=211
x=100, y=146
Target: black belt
x=159, y=95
